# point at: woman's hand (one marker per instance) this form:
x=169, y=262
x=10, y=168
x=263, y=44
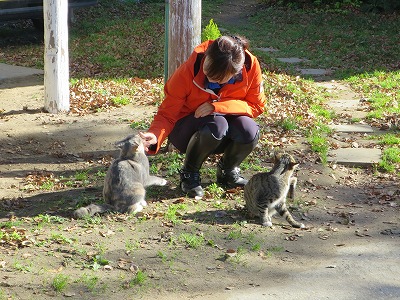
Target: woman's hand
x=204, y=110
x=148, y=139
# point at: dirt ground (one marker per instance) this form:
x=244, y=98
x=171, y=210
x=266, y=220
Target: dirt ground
x=350, y=249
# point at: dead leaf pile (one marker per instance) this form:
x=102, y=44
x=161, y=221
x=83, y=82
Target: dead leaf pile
x=92, y=95
x=14, y=238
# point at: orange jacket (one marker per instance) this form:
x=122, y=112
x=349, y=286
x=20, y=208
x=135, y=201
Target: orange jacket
x=185, y=91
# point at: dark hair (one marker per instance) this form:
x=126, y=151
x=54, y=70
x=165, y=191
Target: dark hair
x=226, y=56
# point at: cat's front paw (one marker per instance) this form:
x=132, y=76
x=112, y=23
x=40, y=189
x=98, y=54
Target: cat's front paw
x=163, y=182
x=267, y=224
x=302, y=226
x=137, y=207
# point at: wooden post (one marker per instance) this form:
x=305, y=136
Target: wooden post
x=56, y=58
x=184, y=32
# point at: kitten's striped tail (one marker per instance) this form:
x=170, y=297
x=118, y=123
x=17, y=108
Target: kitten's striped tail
x=284, y=212
x=91, y=210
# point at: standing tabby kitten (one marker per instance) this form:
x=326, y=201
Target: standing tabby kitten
x=125, y=181
x=265, y=193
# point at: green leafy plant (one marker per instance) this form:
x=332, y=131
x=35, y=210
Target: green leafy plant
x=210, y=32
x=120, y=100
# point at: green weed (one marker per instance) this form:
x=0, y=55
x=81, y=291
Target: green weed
x=317, y=137
x=389, y=139
x=215, y=191
x=60, y=239
x=139, y=279
x=60, y=282
x=47, y=185
x=191, y=240
x=120, y=100
x=22, y=267
x=89, y=281
x=140, y=125
x=390, y=157
x=174, y=212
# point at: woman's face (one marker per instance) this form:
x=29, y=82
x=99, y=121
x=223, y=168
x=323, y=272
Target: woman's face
x=212, y=80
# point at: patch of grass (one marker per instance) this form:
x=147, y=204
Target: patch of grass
x=90, y=281
x=381, y=89
x=174, y=212
x=317, y=137
x=139, y=279
x=131, y=245
x=140, y=125
x=47, y=185
x=120, y=100
x=82, y=175
x=60, y=282
x=192, y=240
x=60, y=239
x=170, y=162
x=390, y=157
x=48, y=219
x=348, y=39
x=163, y=256
x=287, y=124
x=389, y=139
x=215, y=191
x=23, y=267
x=322, y=112
x=235, y=234
x=10, y=224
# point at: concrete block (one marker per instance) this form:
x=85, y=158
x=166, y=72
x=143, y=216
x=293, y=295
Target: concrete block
x=355, y=157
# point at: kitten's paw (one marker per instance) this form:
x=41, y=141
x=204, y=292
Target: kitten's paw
x=267, y=224
x=81, y=212
x=163, y=182
x=302, y=226
x=134, y=209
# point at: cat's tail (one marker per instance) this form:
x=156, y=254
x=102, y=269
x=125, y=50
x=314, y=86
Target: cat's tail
x=91, y=210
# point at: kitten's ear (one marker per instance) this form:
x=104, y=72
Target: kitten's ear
x=293, y=165
x=120, y=144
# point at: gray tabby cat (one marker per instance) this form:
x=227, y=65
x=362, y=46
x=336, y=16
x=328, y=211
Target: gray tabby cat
x=125, y=181
x=265, y=193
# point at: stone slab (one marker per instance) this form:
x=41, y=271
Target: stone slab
x=291, y=60
x=267, y=49
x=344, y=104
x=361, y=128
x=355, y=157
x=10, y=72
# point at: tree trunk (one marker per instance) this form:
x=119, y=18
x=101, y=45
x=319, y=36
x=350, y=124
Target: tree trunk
x=56, y=58
x=184, y=32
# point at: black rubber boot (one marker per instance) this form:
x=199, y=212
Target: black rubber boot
x=200, y=146
x=228, y=172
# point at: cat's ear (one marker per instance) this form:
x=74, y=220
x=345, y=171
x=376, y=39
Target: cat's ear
x=293, y=165
x=120, y=144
